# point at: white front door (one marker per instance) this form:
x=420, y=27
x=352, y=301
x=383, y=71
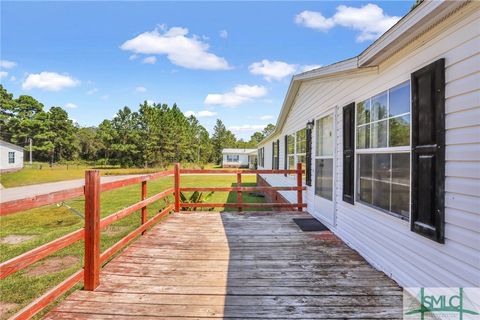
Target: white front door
x=325, y=168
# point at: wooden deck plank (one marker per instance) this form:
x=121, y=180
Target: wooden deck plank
x=248, y=265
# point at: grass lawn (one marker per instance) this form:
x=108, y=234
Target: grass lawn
x=48, y=223
x=43, y=173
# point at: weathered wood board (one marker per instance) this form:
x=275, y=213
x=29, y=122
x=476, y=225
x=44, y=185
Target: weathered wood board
x=236, y=266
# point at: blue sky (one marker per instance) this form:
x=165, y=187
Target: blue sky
x=227, y=60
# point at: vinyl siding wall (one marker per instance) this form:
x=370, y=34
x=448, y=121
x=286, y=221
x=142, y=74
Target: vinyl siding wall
x=385, y=241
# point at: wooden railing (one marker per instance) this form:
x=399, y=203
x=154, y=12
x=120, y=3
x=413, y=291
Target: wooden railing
x=239, y=189
x=90, y=233
x=93, y=259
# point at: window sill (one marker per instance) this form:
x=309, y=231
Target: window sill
x=378, y=211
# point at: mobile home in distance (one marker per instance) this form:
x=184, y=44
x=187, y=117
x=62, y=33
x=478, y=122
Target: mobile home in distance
x=390, y=141
x=239, y=158
x=11, y=157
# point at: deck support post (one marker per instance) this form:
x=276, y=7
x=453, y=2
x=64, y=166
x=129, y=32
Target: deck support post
x=92, y=230
x=177, y=186
x=239, y=193
x=144, y=209
x=299, y=184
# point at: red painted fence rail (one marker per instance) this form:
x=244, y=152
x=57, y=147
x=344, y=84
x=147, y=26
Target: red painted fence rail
x=94, y=259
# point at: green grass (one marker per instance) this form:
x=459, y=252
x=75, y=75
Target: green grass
x=51, y=222
x=43, y=173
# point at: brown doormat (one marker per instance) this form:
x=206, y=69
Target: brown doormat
x=310, y=224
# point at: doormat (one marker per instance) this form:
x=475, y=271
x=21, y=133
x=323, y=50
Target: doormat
x=310, y=224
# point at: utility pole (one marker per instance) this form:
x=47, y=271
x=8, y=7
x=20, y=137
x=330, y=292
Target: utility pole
x=30, y=151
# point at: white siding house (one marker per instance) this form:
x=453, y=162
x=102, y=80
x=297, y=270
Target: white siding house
x=398, y=179
x=11, y=157
x=239, y=158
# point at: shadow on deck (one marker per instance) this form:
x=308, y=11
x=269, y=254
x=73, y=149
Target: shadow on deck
x=233, y=265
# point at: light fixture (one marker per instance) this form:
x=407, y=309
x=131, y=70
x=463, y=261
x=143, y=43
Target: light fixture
x=310, y=125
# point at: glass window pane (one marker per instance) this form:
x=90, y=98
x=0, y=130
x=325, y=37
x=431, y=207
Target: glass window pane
x=381, y=194
x=302, y=141
x=401, y=200
x=381, y=167
x=363, y=112
x=399, y=99
x=401, y=168
x=324, y=178
x=379, y=134
x=400, y=131
x=366, y=164
x=366, y=190
x=324, y=136
x=291, y=144
x=379, y=106
x=363, y=137
x=291, y=162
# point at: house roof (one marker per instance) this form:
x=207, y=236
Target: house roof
x=239, y=151
x=407, y=29
x=10, y=145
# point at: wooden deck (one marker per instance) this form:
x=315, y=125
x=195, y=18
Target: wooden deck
x=236, y=266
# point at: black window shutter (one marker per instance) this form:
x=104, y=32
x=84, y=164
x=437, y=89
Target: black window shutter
x=285, y=159
x=348, y=152
x=273, y=155
x=308, y=158
x=278, y=154
x=428, y=151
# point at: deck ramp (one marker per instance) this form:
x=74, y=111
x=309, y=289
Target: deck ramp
x=256, y=265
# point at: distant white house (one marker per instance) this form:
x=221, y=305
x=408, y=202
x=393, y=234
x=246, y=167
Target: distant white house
x=11, y=157
x=239, y=158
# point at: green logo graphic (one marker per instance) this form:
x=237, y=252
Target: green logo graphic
x=441, y=304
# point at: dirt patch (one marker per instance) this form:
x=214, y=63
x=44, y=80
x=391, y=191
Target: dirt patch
x=114, y=230
x=5, y=307
x=15, y=239
x=52, y=265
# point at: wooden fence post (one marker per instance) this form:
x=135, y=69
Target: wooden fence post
x=299, y=184
x=144, y=209
x=177, y=187
x=239, y=193
x=92, y=230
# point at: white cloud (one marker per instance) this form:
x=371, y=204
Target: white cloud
x=182, y=50
x=240, y=94
x=309, y=67
x=70, y=106
x=13, y=78
x=3, y=74
x=200, y=114
x=133, y=57
x=223, y=34
x=277, y=70
x=140, y=89
x=150, y=60
x=105, y=97
x=267, y=117
x=189, y=113
x=272, y=70
x=314, y=20
x=49, y=81
x=92, y=91
x=246, y=128
x=6, y=64
x=370, y=20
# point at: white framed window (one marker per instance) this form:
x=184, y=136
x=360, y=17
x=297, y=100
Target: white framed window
x=301, y=146
x=11, y=157
x=383, y=151
x=233, y=158
x=291, y=152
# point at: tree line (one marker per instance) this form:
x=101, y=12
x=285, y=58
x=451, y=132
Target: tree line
x=155, y=135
